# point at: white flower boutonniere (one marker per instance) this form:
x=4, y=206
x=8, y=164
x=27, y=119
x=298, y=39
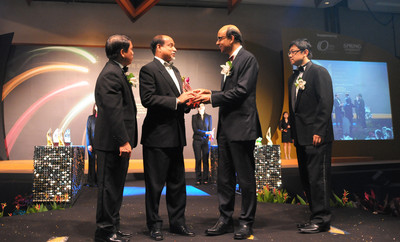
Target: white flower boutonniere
x=131, y=79
x=300, y=83
x=227, y=68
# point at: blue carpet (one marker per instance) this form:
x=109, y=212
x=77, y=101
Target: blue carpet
x=190, y=191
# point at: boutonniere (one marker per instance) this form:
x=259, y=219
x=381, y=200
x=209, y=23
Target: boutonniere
x=227, y=68
x=300, y=83
x=186, y=85
x=131, y=79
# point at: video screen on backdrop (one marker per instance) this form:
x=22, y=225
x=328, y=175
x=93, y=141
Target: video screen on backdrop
x=361, y=108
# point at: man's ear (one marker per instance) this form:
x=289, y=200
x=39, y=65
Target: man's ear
x=122, y=53
x=232, y=39
x=306, y=52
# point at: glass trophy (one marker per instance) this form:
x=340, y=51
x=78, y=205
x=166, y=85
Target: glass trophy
x=48, y=136
x=67, y=137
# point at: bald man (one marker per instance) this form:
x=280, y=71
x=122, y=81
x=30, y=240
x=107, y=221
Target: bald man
x=238, y=128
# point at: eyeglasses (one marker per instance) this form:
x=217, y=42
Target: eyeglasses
x=219, y=38
x=293, y=52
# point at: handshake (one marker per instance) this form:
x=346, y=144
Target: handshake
x=193, y=98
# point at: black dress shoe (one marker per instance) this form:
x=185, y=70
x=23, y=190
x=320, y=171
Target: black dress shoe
x=156, y=233
x=123, y=234
x=220, y=228
x=244, y=232
x=314, y=228
x=182, y=230
x=111, y=238
x=302, y=225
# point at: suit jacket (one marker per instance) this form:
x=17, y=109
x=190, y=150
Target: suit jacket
x=116, y=119
x=200, y=126
x=164, y=124
x=238, y=116
x=313, y=107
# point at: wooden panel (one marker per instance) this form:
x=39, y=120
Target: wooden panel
x=232, y=4
x=136, y=8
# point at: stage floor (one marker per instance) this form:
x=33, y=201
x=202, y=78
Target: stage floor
x=274, y=222
x=136, y=166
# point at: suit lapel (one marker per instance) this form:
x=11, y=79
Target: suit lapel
x=234, y=66
x=167, y=77
x=178, y=77
x=304, y=77
x=125, y=81
x=292, y=90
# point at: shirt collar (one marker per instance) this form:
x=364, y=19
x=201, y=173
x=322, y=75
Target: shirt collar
x=119, y=64
x=161, y=60
x=234, y=54
x=306, y=65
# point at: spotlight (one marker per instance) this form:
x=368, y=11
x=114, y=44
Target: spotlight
x=326, y=3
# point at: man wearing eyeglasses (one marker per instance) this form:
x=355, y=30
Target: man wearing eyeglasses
x=238, y=128
x=310, y=105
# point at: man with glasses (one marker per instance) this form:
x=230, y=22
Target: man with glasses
x=310, y=105
x=238, y=128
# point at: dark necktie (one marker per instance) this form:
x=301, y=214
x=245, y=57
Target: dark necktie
x=168, y=64
x=125, y=69
x=231, y=58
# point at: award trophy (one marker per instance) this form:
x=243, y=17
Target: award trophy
x=55, y=137
x=61, y=138
x=48, y=136
x=188, y=88
x=67, y=137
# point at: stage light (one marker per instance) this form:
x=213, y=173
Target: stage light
x=14, y=82
x=75, y=50
x=16, y=129
x=326, y=3
x=87, y=101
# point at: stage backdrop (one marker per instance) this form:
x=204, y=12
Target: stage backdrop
x=52, y=87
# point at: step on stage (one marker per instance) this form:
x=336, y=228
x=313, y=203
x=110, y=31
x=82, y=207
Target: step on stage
x=274, y=222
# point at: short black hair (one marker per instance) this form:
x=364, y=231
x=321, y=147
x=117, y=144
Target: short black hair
x=237, y=36
x=114, y=45
x=302, y=44
x=158, y=39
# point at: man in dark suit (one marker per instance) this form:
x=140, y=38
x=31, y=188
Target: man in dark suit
x=238, y=128
x=163, y=137
x=338, y=111
x=359, y=106
x=310, y=105
x=115, y=136
x=90, y=128
x=202, y=125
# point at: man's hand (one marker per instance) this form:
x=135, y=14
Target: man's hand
x=202, y=95
x=185, y=96
x=202, y=91
x=90, y=148
x=316, y=140
x=125, y=150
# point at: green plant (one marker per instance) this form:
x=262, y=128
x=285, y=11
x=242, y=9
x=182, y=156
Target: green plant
x=342, y=202
x=3, y=205
x=301, y=200
x=272, y=196
x=37, y=208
